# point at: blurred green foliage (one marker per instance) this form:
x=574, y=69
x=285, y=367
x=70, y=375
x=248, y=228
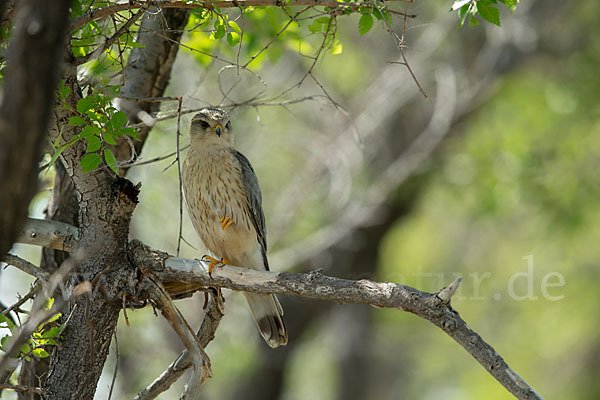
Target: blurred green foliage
x=521, y=182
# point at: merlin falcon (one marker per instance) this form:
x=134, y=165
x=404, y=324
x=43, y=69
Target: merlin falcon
x=225, y=205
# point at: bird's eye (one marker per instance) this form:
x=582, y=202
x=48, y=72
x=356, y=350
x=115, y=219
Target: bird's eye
x=228, y=125
x=204, y=124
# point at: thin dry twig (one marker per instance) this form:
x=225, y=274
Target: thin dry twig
x=206, y=334
x=36, y=390
x=24, y=266
x=179, y=175
x=36, y=288
x=114, y=377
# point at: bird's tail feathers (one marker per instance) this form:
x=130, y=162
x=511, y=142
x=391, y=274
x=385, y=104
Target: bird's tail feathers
x=268, y=314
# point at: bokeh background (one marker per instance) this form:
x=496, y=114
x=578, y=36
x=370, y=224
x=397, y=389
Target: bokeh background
x=494, y=177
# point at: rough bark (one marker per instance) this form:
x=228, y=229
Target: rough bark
x=94, y=318
x=148, y=70
x=34, y=55
x=157, y=266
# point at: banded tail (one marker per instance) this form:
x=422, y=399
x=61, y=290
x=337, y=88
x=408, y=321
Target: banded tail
x=268, y=314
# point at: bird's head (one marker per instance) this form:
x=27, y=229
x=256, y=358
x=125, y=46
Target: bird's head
x=211, y=124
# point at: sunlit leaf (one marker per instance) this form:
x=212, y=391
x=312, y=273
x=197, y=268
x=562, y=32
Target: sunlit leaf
x=234, y=26
x=233, y=38
x=40, y=353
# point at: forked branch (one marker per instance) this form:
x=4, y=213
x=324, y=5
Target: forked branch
x=434, y=307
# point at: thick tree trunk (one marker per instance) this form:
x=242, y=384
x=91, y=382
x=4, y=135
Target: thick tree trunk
x=34, y=60
x=104, y=206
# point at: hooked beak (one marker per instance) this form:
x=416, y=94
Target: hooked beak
x=218, y=130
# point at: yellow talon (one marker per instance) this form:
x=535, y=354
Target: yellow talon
x=225, y=222
x=213, y=262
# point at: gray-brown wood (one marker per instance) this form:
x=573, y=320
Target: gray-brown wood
x=34, y=60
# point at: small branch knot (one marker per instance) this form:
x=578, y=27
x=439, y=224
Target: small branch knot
x=445, y=295
x=449, y=325
x=314, y=275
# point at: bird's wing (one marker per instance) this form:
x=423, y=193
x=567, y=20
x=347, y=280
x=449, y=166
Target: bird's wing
x=254, y=198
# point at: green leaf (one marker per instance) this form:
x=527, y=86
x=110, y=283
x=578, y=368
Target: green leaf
x=109, y=138
x=234, y=26
x=365, y=23
x=9, y=323
x=85, y=104
x=3, y=341
x=90, y=162
x=25, y=348
x=40, y=353
x=89, y=130
x=53, y=318
x=52, y=332
x=315, y=27
x=111, y=160
x=323, y=20
x=490, y=14
x=473, y=22
x=55, y=156
x=63, y=90
x=233, y=38
x=511, y=4
x=48, y=303
x=76, y=120
x=463, y=13
x=137, y=45
x=219, y=33
x=94, y=144
x=377, y=14
x=219, y=30
x=336, y=48
x=131, y=132
x=118, y=119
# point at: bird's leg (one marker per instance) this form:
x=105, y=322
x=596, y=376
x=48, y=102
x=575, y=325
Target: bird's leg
x=225, y=222
x=212, y=262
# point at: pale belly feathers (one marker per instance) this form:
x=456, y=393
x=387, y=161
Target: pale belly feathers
x=213, y=189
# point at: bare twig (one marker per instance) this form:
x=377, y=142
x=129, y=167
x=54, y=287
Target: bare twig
x=104, y=12
x=179, y=175
x=38, y=314
x=199, y=359
x=53, y=234
x=114, y=377
x=36, y=288
x=400, y=44
x=37, y=390
x=206, y=333
x=111, y=40
x=24, y=266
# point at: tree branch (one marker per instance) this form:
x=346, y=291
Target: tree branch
x=31, y=75
x=434, y=307
x=24, y=266
x=48, y=233
x=104, y=12
x=205, y=334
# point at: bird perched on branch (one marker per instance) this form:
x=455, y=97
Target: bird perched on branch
x=225, y=204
